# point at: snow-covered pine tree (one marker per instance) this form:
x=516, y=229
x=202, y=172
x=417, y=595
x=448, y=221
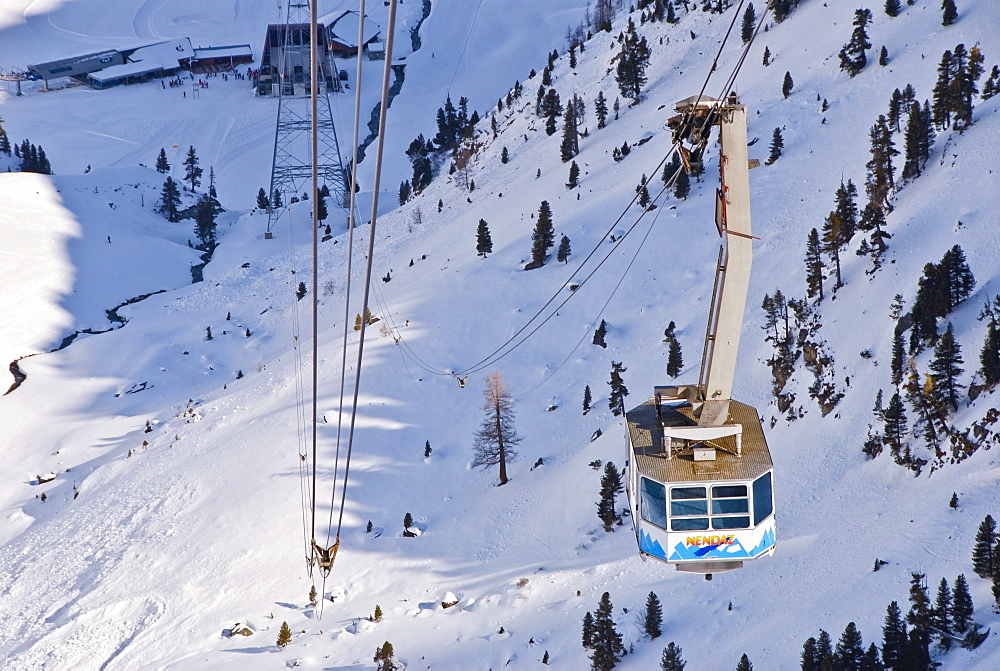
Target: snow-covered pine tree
x=562, y=254
x=961, y=606
x=616, y=401
x=652, y=620
x=192, y=172
x=170, y=200
x=787, y=84
x=496, y=438
x=675, y=359
x=611, y=486
x=574, y=176
x=484, y=241
x=162, y=165
x=945, y=369
x=671, y=659
x=606, y=641
x=744, y=664
x=942, y=615
x=384, y=658
x=600, y=333
x=984, y=562
x=542, y=238
x=284, y=635
x=814, y=266
x=777, y=144
x=850, y=649
x=588, y=630
x=601, y=109
x=263, y=202
x=852, y=56
x=630, y=73
x=504, y=155
x=921, y=621
x=748, y=25
x=949, y=12
x=587, y=398
x=893, y=7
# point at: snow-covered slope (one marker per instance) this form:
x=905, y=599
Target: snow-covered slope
x=149, y=544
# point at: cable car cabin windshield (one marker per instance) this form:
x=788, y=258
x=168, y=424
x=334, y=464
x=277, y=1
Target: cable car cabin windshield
x=717, y=507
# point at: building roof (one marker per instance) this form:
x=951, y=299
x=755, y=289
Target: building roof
x=150, y=58
x=344, y=29
x=77, y=65
x=646, y=437
x=234, y=51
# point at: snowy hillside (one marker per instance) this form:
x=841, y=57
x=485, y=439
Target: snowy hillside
x=176, y=507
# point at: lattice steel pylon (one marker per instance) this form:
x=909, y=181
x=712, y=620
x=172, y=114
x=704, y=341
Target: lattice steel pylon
x=291, y=166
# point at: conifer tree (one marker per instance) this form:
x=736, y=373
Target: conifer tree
x=893, y=7
x=276, y=200
x=611, y=486
x=809, y=657
x=551, y=107
x=944, y=90
x=945, y=370
x=824, y=650
x=852, y=56
x=949, y=12
x=574, y=176
x=616, y=401
x=990, y=89
x=192, y=173
x=682, y=185
x=643, y=192
x=675, y=360
x=920, y=618
x=984, y=561
x=170, y=200
x=961, y=606
x=383, y=658
x=777, y=144
x=744, y=664
x=570, y=145
x=562, y=254
x=312, y=595
x=834, y=239
x=542, y=238
x=894, y=417
x=671, y=659
x=749, y=22
x=850, y=649
x=787, y=84
x=262, y=200
x=496, y=438
x=4, y=141
x=896, y=365
x=586, y=399
x=767, y=57
x=588, y=630
x=894, y=638
x=968, y=69
x=942, y=615
x=871, y=661
x=601, y=109
x=633, y=60
x=205, y=223
x=484, y=242
x=284, y=635
x=607, y=642
x=404, y=191
x=162, y=165
x=814, y=266
x=989, y=356
x=653, y=617
x=504, y=155
x=880, y=181
x=600, y=333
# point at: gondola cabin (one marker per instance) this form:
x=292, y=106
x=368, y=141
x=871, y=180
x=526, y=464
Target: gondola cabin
x=700, y=478
x=701, y=496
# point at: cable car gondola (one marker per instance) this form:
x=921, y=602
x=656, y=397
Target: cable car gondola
x=700, y=476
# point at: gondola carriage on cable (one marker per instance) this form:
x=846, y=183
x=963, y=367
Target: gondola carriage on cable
x=700, y=476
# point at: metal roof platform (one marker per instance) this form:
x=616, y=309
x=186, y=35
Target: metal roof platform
x=646, y=434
